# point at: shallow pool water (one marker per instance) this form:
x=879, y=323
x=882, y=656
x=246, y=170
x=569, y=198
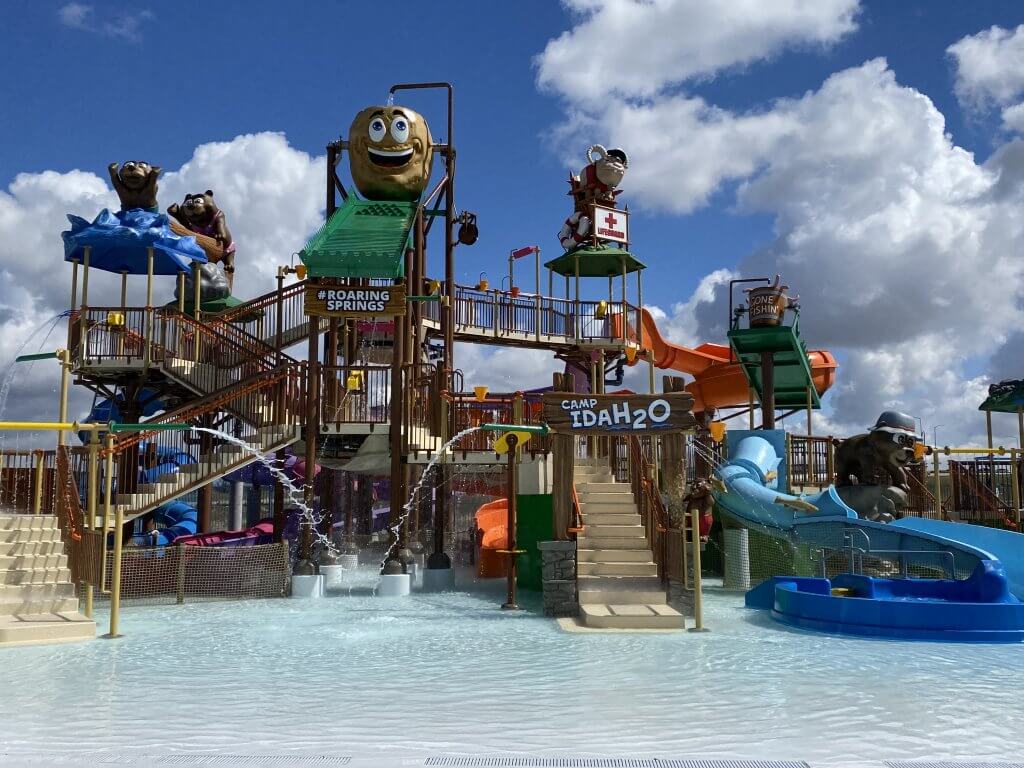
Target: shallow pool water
x=452, y=673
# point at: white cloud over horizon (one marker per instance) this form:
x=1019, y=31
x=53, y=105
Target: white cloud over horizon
x=903, y=248
x=271, y=193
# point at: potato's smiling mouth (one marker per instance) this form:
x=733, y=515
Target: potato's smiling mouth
x=388, y=158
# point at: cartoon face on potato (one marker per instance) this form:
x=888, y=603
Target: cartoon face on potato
x=389, y=153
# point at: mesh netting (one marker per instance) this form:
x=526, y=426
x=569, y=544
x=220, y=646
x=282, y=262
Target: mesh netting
x=179, y=574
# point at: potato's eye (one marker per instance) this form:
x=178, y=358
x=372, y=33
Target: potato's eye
x=400, y=130
x=378, y=129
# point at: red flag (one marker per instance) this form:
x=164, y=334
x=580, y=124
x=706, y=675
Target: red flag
x=518, y=254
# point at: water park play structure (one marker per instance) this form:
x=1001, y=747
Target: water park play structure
x=600, y=491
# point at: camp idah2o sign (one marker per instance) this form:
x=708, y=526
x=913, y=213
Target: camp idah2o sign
x=355, y=300
x=618, y=414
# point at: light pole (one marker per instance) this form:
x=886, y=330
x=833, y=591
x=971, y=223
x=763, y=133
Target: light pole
x=935, y=435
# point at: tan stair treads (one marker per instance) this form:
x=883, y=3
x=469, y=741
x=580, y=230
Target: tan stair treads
x=631, y=610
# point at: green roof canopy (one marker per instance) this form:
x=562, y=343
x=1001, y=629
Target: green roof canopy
x=599, y=261
x=363, y=238
x=792, y=367
x=1009, y=399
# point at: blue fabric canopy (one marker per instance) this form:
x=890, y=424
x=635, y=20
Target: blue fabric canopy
x=118, y=243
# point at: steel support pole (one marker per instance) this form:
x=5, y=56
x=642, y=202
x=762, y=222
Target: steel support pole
x=768, y=390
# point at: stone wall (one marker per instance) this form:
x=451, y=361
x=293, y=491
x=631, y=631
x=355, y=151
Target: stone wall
x=558, y=573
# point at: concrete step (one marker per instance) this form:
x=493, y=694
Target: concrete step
x=14, y=535
x=21, y=562
x=19, y=576
x=593, y=474
x=35, y=606
x=61, y=627
x=626, y=568
x=584, y=555
x=11, y=522
x=600, y=486
x=602, y=531
x=602, y=499
x=17, y=548
x=630, y=616
x=611, y=518
x=23, y=592
x=590, y=461
x=609, y=503
x=621, y=590
x=611, y=542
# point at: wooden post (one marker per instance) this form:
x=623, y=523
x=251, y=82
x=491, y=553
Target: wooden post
x=397, y=474
x=513, y=552
x=810, y=424
x=147, y=345
x=562, y=470
x=180, y=550
x=37, y=495
x=576, y=303
x=698, y=597
x=938, y=482
x=65, y=373
x=279, y=519
x=115, y=577
x=1015, y=484
x=750, y=405
x=624, y=323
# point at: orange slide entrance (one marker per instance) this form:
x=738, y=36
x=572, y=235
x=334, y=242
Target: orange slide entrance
x=492, y=519
x=719, y=383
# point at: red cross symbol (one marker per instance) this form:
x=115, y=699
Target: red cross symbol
x=610, y=220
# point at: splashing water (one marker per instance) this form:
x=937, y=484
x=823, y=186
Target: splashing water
x=5, y=387
x=309, y=516
x=419, y=485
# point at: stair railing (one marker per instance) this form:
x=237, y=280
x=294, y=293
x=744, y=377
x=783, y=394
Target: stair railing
x=652, y=510
x=139, y=461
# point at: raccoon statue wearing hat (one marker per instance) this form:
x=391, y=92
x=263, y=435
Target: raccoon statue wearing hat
x=888, y=447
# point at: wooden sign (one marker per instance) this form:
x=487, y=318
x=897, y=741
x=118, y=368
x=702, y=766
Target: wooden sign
x=567, y=412
x=355, y=300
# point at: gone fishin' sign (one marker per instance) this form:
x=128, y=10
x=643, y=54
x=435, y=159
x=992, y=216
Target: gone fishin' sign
x=618, y=414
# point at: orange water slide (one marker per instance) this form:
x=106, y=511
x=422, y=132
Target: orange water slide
x=492, y=520
x=717, y=382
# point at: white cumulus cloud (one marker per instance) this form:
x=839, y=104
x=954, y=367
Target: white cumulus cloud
x=989, y=66
x=271, y=193
x=638, y=47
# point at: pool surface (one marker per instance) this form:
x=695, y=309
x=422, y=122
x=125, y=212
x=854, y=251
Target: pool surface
x=451, y=674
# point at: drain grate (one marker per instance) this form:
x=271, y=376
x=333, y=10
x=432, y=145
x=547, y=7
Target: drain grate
x=948, y=764
x=600, y=762
x=217, y=761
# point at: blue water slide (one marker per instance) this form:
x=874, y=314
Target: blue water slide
x=106, y=410
x=747, y=491
x=173, y=520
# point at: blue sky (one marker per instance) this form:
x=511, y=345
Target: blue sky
x=81, y=98
x=87, y=84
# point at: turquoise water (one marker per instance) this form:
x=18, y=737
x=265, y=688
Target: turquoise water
x=452, y=673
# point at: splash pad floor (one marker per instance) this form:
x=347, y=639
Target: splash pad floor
x=404, y=681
